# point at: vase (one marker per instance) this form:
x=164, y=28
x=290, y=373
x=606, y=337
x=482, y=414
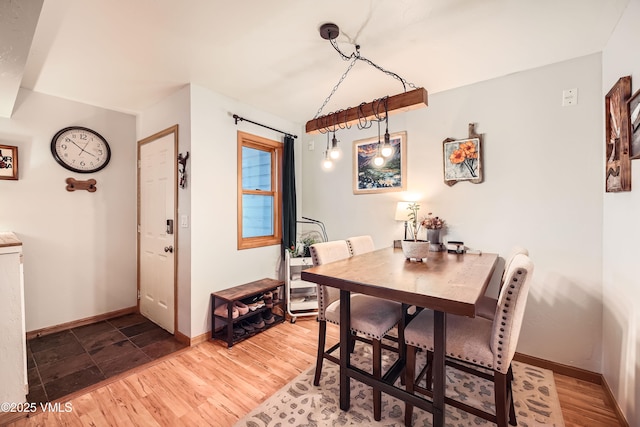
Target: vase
x=415, y=249
x=433, y=236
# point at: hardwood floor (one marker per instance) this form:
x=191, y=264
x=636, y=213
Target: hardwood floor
x=584, y=403
x=211, y=385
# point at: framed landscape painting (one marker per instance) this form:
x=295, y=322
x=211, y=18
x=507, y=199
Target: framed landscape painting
x=391, y=175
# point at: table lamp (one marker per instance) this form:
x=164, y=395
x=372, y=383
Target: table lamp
x=402, y=214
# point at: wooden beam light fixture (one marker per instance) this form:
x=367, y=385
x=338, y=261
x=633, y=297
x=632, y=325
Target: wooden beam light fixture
x=367, y=112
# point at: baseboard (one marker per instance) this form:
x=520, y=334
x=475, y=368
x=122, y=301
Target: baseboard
x=200, y=338
x=86, y=321
x=578, y=373
x=192, y=341
x=614, y=403
x=570, y=371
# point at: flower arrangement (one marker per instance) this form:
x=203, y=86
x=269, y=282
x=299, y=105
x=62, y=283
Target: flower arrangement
x=293, y=251
x=429, y=222
x=433, y=223
x=301, y=248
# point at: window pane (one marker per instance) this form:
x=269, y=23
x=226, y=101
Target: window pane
x=256, y=169
x=257, y=215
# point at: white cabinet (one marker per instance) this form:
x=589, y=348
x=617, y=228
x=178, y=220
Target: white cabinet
x=13, y=346
x=302, y=299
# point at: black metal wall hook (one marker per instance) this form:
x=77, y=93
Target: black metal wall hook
x=182, y=169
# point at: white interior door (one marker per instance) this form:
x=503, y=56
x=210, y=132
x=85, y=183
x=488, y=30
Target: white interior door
x=157, y=238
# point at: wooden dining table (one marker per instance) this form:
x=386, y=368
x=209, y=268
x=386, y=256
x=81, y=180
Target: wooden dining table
x=446, y=283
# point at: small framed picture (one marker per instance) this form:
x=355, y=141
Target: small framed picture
x=634, y=124
x=373, y=173
x=8, y=162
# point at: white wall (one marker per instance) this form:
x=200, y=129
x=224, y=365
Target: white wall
x=175, y=109
x=215, y=261
x=542, y=189
x=621, y=323
x=79, y=247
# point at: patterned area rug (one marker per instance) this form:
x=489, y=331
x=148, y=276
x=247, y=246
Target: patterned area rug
x=300, y=403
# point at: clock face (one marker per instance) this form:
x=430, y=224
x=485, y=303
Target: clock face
x=80, y=149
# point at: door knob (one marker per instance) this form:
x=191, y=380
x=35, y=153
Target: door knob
x=168, y=249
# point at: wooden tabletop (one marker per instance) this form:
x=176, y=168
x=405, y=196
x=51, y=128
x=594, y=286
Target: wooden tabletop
x=450, y=283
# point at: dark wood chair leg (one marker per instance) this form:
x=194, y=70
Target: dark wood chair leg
x=377, y=372
x=501, y=394
x=322, y=335
x=428, y=376
x=512, y=410
x=402, y=347
x=409, y=378
x=352, y=342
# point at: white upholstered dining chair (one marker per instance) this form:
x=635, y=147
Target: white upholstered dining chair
x=487, y=305
x=370, y=316
x=476, y=345
x=360, y=245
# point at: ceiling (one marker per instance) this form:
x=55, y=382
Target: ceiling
x=127, y=55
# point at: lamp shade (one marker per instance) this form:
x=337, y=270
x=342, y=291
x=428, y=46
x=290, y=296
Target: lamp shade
x=402, y=213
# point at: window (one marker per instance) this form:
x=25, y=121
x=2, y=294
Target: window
x=259, y=196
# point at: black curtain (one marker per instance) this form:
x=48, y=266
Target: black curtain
x=289, y=214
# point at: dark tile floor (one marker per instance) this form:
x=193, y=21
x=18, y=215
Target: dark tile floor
x=70, y=360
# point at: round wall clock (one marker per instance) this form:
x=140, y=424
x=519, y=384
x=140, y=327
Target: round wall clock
x=80, y=149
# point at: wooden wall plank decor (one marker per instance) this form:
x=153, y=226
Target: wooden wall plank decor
x=618, y=161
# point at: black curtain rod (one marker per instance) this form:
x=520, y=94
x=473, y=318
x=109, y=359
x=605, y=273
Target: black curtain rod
x=238, y=118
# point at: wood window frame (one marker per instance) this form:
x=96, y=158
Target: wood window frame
x=275, y=148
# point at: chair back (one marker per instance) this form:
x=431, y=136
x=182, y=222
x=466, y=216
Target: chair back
x=510, y=312
x=324, y=253
x=360, y=245
x=516, y=250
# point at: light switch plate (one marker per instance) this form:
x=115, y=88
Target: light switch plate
x=569, y=97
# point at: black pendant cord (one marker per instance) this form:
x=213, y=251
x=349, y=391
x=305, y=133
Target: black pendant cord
x=238, y=118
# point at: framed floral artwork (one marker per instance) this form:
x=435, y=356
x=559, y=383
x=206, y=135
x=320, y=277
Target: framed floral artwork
x=8, y=162
x=391, y=172
x=463, y=158
x=618, y=163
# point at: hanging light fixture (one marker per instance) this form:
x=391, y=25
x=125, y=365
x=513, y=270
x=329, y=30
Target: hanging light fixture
x=335, y=150
x=406, y=101
x=327, y=163
x=387, y=149
x=378, y=160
